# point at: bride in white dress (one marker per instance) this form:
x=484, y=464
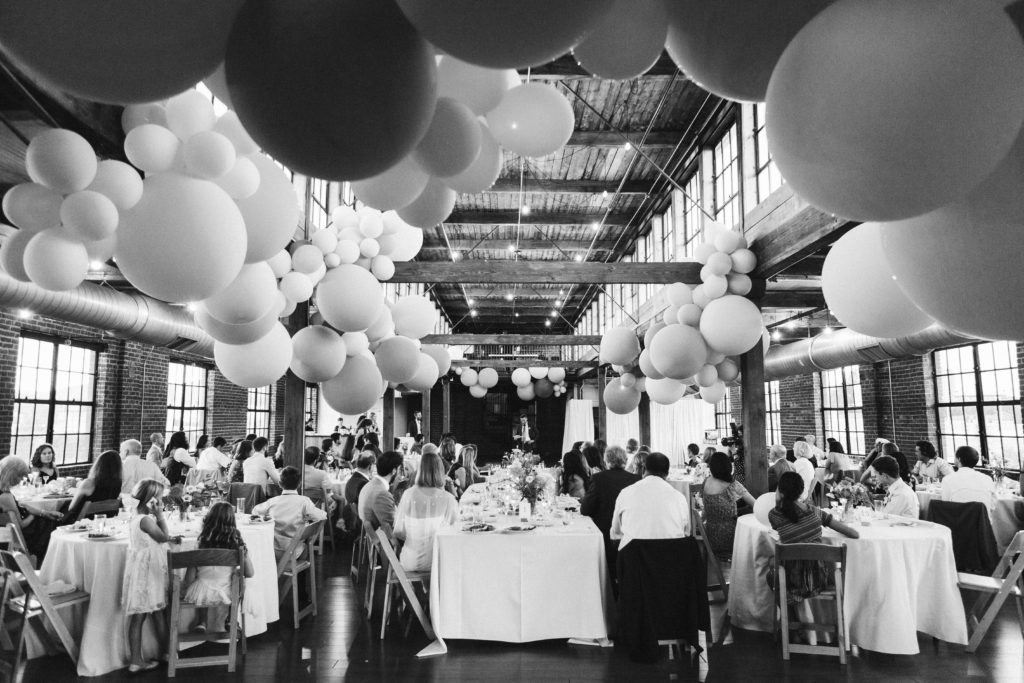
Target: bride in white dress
x=422, y=510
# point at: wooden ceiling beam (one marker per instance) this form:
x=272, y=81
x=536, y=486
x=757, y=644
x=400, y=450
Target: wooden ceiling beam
x=524, y=245
x=512, y=217
x=546, y=272
x=514, y=339
x=810, y=298
x=573, y=186
x=491, y=293
x=523, y=363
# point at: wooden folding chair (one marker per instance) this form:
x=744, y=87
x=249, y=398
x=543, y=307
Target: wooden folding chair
x=295, y=560
x=322, y=502
x=99, y=507
x=1006, y=580
x=38, y=607
x=358, y=543
x=834, y=555
x=252, y=493
x=406, y=582
x=373, y=565
x=14, y=540
x=236, y=615
x=421, y=578
x=12, y=627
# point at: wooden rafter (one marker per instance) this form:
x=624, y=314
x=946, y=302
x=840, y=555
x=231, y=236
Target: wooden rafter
x=514, y=339
x=540, y=272
x=513, y=217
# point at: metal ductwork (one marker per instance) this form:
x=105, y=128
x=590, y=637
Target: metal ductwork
x=128, y=316
x=846, y=347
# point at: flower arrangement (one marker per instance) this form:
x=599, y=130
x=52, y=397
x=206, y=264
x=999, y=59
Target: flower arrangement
x=527, y=478
x=193, y=495
x=850, y=494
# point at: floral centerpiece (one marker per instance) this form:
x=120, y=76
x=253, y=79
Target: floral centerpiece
x=527, y=478
x=851, y=495
x=192, y=496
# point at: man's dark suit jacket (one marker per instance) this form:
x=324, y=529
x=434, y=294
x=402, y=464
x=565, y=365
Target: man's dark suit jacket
x=599, y=501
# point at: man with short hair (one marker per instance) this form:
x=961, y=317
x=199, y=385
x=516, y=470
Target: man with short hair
x=967, y=485
x=290, y=511
x=900, y=499
x=817, y=455
x=778, y=465
x=376, y=504
x=599, y=501
x=693, y=455
x=632, y=446
x=929, y=465
x=650, y=508
x=258, y=468
x=314, y=479
x=415, y=427
x=155, y=454
x=524, y=435
x=134, y=469
x=213, y=457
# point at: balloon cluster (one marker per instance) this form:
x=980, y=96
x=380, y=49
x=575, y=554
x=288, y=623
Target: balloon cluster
x=696, y=343
x=539, y=382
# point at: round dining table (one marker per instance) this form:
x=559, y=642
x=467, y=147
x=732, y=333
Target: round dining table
x=1007, y=516
x=900, y=580
x=100, y=626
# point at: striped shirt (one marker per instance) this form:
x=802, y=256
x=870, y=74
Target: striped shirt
x=806, y=530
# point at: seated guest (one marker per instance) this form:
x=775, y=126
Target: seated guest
x=134, y=469
x=242, y=453
x=777, y=465
x=177, y=459
x=406, y=477
x=314, y=479
x=43, y=465
x=817, y=455
x=449, y=452
x=213, y=458
x=276, y=454
x=900, y=499
x=799, y=522
x=803, y=467
x=721, y=492
x=591, y=456
x=692, y=455
x=836, y=461
x=599, y=501
x=103, y=483
x=876, y=450
x=575, y=475
x=36, y=525
x=360, y=478
x=290, y=511
x=708, y=452
x=632, y=446
x=464, y=472
x=376, y=504
x=155, y=454
x=967, y=484
x=929, y=465
x=258, y=468
x=423, y=509
x=650, y=508
x=641, y=460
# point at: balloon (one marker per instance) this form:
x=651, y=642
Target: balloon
x=318, y=353
x=482, y=173
x=398, y=359
x=354, y=71
x=556, y=375
x=395, y=188
x=347, y=251
x=257, y=364
x=403, y=245
x=382, y=267
x=731, y=325
x=689, y=314
x=526, y=393
x=135, y=115
x=739, y=284
x=727, y=370
x=714, y=393
x=271, y=214
x=538, y=372
x=719, y=263
x=729, y=241
x=533, y=119
x=477, y=87
x=847, y=136
x=452, y=143
x=715, y=286
x=714, y=357
x=703, y=251
x=647, y=367
x=368, y=248
x=355, y=389
x=700, y=298
x=60, y=159
x=415, y=316
x=247, y=298
x=678, y=351
x=383, y=325
x=665, y=391
x=729, y=47
x=706, y=376
x=620, y=399
x=217, y=84
x=242, y=181
x=297, y=287
x=743, y=261
x=487, y=378
x=651, y=331
x=970, y=280
x=54, y=262
x=678, y=294
x=543, y=388
x=307, y=258
x=505, y=34
x=440, y=356
x=521, y=377
x=628, y=380
x=861, y=291
x=668, y=316
x=349, y=298
x=89, y=216
x=32, y=206
x=619, y=345
x=118, y=182
x=181, y=220
x=764, y=504
x=209, y=155
x=244, y=333
x=280, y=263
x=433, y=205
x=356, y=343
x=230, y=127
x=324, y=240
x=189, y=114
x=468, y=377
x=151, y=148
x=426, y=374
x=477, y=391
x=627, y=41
x=12, y=254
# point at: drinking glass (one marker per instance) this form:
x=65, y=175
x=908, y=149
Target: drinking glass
x=240, y=505
x=99, y=523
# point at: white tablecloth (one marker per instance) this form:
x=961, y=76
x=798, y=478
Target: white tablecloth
x=681, y=483
x=1007, y=518
x=520, y=587
x=899, y=580
x=98, y=567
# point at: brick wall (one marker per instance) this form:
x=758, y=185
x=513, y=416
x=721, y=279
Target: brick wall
x=800, y=404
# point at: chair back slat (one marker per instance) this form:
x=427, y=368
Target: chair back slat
x=99, y=507
x=310, y=531
x=788, y=552
x=207, y=557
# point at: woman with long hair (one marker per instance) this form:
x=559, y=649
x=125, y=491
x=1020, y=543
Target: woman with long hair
x=592, y=458
x=575, y=475
x=36, y=525
x=235, y=475
x=211, y=586
x=103, y=483
x=43, y=463
x=422, y=510
x=447, y=450
x=464, y=472
x=176, y=458
x=721, y=493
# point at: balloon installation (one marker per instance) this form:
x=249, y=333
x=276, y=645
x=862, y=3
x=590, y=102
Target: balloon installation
x=530, y=383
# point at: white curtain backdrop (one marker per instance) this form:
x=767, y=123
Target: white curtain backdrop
x=682, y=423
x=579, y=422
x=622, y=427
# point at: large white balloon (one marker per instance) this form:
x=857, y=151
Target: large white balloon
x=477, y=87
x=678, y=351
x=350, y=298
x=468, y=377
x=151, y=148
x=89, y=216
x=356, y=343
x=190, y=113
x=209, y=155
x=477, y=391
x=318, y=353
x=861, y=291
x=619, y=346
x=403, y=244
x=620, y=399
x=647, y=367
x=415, y=316
x=521, y=377
x=426, y=374
x=119, y=182
x=526, y=393
x=556, y=375
x=484, y=171
x=178, y=221
x=627, y=41
x=707, y=376
x=431, y=207
x=32, y=206
x=297, y=286
x=847, y=135
x=440, y=356
x=398, y=359
x=55, y=262
x=230, y=127
x=12, y=254
x=538, y=372
x=713, y=393
x=731, y=325
x=244, y=333
x=258, y=364
x=764, y=504
x=452, y=142
x=247, y=298
x=665, y=391
x=487, y=378
x=271, y=214
x=355, y=389
x=62, y=160
x=242, y=181
x=383, y=325
x=533, y=119
x=394, y=188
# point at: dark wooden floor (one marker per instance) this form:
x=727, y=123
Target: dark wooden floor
x=340, y=644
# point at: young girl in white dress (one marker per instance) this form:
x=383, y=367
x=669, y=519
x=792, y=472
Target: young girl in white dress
x=211, y=586
x=145, y=576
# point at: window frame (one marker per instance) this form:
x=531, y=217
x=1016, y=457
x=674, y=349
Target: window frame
x=719, y=168
x=845, y=435
x=183, y=407
x=763, y=168
x=772, y=412
x=253, y=412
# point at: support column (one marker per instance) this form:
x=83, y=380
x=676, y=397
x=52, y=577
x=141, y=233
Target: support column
x=602, y=411
x=426, y=417
x=755, y=448
x=295, y=400
x=446, y=405
x=644, y=410
x=388, y=421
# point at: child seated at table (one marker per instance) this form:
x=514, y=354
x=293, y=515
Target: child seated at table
x=290, y=511
x=211, y=586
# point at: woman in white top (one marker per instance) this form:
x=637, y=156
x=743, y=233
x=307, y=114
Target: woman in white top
x=424, y=509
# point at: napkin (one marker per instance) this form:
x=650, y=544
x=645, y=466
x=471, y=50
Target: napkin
x=59, y=587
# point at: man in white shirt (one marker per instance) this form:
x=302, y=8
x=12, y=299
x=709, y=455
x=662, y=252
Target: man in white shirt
x=803, y=467
x=214, y=458
x=967, y=485
x=134, y=469
x=290, y=510
x=155, y=454
x=258, y=468
x=312, y=478
x=816, y=453
x=900, y=499
x=650, y=508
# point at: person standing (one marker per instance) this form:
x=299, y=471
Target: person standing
x=415, y=428
x=524, y=435
x=155, y=454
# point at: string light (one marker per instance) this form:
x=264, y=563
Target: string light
x=456, y=256
x=24, y=314
x=526, y=209
x=547, y=323
x=579, y=258
x=473, y=312
x=509, y=297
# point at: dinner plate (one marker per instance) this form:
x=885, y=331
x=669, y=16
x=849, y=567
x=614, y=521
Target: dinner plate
x=101, y=539
x=519, y=529
x=478, y=528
